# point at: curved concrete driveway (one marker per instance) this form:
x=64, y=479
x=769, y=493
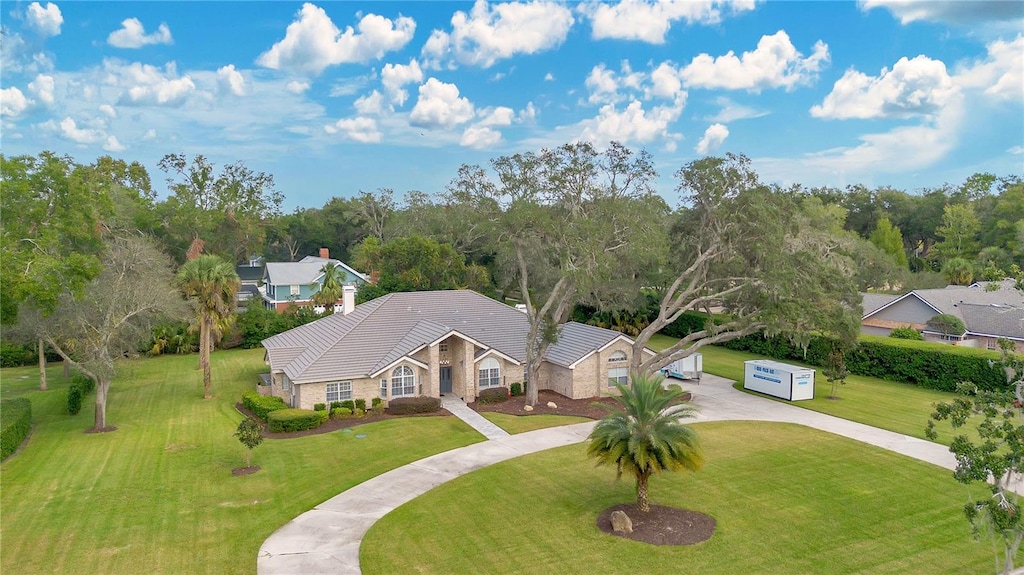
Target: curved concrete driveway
x=326, y=539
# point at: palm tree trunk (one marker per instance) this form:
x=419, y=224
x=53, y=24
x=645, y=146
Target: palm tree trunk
x=42, y=366
x=641, y=491
x=204, y=358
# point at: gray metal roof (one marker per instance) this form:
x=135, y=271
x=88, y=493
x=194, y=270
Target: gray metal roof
x=322, y=261
x=382, y=331
x=303, y=272
x=578, y=340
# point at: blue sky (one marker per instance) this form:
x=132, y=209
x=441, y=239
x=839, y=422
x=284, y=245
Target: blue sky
x=337, y=97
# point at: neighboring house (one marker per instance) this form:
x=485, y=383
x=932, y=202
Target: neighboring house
x=250, y=275
x=989, y=310
x=454, y=342
x=296, y=282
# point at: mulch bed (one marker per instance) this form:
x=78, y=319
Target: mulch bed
x=239, y=471
x=590, y=407
x=661, y=525
x=331, y=424
x=106, y=429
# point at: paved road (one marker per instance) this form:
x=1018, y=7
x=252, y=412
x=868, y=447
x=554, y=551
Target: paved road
x=326, y=539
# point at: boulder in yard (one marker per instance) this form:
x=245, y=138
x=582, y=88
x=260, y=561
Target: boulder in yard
x=621, y=523
x=552, y=405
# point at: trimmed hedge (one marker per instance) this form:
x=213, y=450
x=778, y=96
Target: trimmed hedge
x=493, y=395
x=516, y=389
x=81, y=386
x=262, y=405
x=925, y=364
x=290, y=419
x=341, y=413
x=15, y=423
x=413, y=405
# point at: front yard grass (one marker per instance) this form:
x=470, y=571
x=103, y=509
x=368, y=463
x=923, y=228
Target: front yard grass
x=522, y=423
x=157, y=495
x=890, y=405
x=786, y=499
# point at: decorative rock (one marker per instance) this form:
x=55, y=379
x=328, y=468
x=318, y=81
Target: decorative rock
x=527, y=408
x=621, y=522
x=552, y=405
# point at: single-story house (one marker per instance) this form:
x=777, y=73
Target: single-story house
x=287, y=283
x=989, y=310
x=452, y=342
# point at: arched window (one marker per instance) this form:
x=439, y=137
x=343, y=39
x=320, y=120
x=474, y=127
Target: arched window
x=617, y=357
x=490, y=373
x=403, y=382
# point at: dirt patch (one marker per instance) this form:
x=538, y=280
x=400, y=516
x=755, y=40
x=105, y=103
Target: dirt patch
x=107, y=429
x=239, y=471
x=661, y=525
x=590, y=407
x=331, y=424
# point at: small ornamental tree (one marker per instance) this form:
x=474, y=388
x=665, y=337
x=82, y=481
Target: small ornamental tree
x=996, y=458
x=835, y=372
x=906, y=332
x=947, y=324
x=250, y=434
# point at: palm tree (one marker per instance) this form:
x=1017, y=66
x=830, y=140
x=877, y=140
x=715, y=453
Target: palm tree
x=644, y=434
x=332, y=287
x=211, y=284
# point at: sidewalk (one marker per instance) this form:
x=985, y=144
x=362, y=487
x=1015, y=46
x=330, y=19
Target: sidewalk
x=326, y=539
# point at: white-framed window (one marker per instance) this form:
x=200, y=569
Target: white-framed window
x=617, y=356
x=339, y=391
x=442, y=347
x=384, y=388
x=286, y=383
x=403, y=382
x=618, y=376
x=490, y=373
x=293, y=289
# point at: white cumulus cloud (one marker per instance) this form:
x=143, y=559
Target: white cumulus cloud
x=231, y=80
x=1001, y=74
x=70, y=130
x=108, y=110
x=43, y=87
x=372, y=103
x=480, y=137
x=713, y=138
x=964, y=12
x=112, y=145
x=46, y=21
x=144, y=84
x=296, y=87
x=631, y=124
x=132, y=34
x=312, y=42
x=358, y=129
x=919, y=86
x=775, y=63
x=492, y=32
x=439, y=106
x=394, y=76
x=13, y=102
x=649, y=21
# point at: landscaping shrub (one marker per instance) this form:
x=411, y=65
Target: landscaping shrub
x=412, y=405
x=493, y=395
x=340, y=412
x=80, y=387
x=516, y=389
x=906, y=332
x=262, y=405
x=335, y=405
x=675, y=387
x=348, y=403
x=377, y=406
x=319, y=407
x=322, y=415
x=289, y=419
x=925, y=364
x=361, y=405
x=16, y=355
x=15, y=423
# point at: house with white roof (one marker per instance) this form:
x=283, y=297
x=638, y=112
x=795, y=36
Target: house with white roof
x=989, y=310
x=287, y=283
x=433, y=343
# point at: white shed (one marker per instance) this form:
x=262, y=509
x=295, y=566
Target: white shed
x=778, y=379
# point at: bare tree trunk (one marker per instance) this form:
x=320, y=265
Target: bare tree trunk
x=42, y=365
x=67, y=368
x=641, y=492
x=204, y=356
x=102, y=386
x=248, y=457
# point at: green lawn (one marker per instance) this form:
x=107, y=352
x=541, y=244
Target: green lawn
x=889, y=405
x=157, y=495
x=522, y=423
x=786, y=499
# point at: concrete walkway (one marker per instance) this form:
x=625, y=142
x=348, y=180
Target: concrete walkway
x=326, y=539
x=458, y=408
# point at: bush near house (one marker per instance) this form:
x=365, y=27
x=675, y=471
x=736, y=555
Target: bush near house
x=15, y=423
x=290, y=419
x=493, y=395
x=81, y=386
x=906, y=332
x=412, y=405
x=262, y=405
x=340, y=413
x=516, y=389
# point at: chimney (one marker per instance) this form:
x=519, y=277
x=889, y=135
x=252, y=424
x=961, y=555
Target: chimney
x=348, y=299
x=325, y=253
